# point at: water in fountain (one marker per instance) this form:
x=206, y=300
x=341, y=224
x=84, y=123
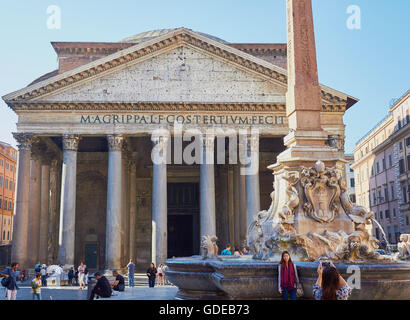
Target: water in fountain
x=388, y=250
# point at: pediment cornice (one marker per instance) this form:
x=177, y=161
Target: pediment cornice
x=158, y=45
x=159, y=106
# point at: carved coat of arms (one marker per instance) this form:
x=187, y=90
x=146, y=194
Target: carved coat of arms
x=322, y=191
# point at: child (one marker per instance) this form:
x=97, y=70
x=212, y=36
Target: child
x=36, y=286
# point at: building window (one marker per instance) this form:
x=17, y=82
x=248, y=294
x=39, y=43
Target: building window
x=7, y=165
x=407, y=220
x=386, y=194
x=399, y=122
x=4, y=235
x=2, y=162
x=408, y=162
x=1, y=181
x=7, y=183
x=394, y=212
x=8, y=235
x=5, y=204
x=401, y=166
x=381, y=214
x=374, y=198
x=400, y=146
x=0, y=203
x=375, y=216
x=10, y=205
x=11, y=168
x=353, y=198
x=352, y=182
x=377, y=167
x=387, y=214
x=377, y=233
x=396, y=234
x=384, y=164
x=404, y=194
x=389, y=232
x=408, y=141
x=392, y=191
x=390, y=161
x=372, y=174
x=380, y=196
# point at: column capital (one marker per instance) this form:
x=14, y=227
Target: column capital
x=115, y=142
x=252, y=142
x=25, y=140
x=70, y=141
x=54, y=165
x=160, y=141
x=132, y=165
x=208, y=141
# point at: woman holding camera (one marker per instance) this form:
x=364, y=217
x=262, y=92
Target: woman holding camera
x=288, y=279
x=330, y=285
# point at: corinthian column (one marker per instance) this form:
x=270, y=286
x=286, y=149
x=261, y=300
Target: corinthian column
x=207, y=187
x=52, y=239
x=114, y=207
x=133, y=208
x=19, y=249
x=44, y=207
x=252, y=179
x=34, y=211
x=68, y=197
x=159, y=199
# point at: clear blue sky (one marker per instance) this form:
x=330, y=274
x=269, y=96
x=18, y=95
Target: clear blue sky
x=371, y=64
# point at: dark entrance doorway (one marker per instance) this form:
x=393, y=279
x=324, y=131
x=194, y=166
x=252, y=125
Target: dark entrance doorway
x=183, y=219
x=91, y=251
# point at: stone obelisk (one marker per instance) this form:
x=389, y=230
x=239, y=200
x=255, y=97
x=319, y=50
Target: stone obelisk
x=307, y=141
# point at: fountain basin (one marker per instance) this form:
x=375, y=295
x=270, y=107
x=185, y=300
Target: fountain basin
x=245, y=278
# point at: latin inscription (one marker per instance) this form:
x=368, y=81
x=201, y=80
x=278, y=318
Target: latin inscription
x=158, y=119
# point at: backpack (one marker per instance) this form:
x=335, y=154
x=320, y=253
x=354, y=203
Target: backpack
x=5, y=280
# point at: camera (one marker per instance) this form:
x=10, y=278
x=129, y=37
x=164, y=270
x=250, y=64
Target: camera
x=325, y=264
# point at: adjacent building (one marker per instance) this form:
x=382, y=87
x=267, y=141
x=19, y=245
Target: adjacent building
x=350, y=180
x=8, y=166
x=381, y=166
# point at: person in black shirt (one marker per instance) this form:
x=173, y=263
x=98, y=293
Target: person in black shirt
x=151, y=273
x=102, y=287
x=119, y=283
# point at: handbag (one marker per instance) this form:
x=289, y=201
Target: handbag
x=299, y=290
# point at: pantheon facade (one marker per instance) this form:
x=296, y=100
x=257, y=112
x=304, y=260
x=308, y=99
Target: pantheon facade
x=88, y=188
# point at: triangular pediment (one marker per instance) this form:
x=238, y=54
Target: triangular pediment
x=183, y=74
x=154, y=71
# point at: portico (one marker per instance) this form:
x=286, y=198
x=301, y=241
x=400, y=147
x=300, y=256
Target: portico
x=96, y=172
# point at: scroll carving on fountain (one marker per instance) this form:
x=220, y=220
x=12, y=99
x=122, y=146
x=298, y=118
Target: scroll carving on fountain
x=315, y=197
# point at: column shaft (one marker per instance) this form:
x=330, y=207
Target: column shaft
x=34, y=211
x=19, y=249
x=44, y=212
x=114, y=207
x=252, y=181
x=242, y=205
x=52, y=241
x=207, y=189
x=68, y=200
x=133, y=209
x=159, y=201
